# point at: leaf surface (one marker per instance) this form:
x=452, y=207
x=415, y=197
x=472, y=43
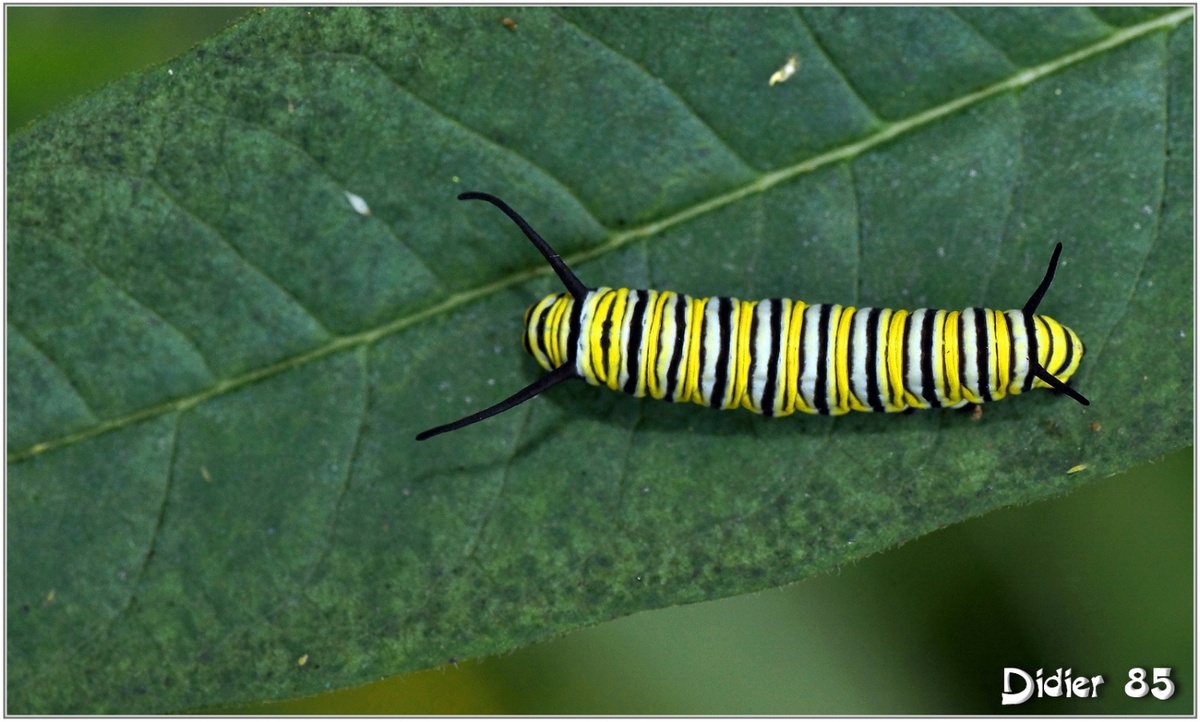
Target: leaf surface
x=217, y=362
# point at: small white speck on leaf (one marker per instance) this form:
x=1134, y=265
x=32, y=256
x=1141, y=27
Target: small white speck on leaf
x=787, y=71
x=170, y=72
x=358, y=204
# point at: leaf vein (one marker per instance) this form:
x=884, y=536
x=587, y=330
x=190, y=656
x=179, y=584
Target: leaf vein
x=746, y=167
x=1099, y=19
x=49, y=359
x=461, y=125
x=983, y=38
x=859, y=234
x=1164, y=123
x=850, y=86
x=238, y=254
x=1010, y=203
x=343, y=187
x=125, y=293
x=364, y=360
x=58, y=661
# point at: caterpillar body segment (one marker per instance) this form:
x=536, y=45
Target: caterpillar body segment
x=779, y=356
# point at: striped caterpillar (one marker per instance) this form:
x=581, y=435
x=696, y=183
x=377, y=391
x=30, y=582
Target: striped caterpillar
x=778, y=356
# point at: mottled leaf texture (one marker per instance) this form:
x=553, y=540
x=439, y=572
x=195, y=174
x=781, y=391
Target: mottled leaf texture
x=218, y=359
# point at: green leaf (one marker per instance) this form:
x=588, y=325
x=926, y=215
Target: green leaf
x=217, y=365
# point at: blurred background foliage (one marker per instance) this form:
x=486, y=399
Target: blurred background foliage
x=1099, y=581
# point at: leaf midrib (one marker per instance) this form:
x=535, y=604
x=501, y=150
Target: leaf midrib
x=616, y=241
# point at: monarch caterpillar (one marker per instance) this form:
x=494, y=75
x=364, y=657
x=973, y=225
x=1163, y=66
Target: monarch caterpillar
x=778, y=356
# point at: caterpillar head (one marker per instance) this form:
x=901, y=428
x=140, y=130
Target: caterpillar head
x=1059, y=350
x=546, y=331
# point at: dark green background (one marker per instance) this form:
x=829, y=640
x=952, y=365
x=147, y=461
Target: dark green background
x=1099, y=581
